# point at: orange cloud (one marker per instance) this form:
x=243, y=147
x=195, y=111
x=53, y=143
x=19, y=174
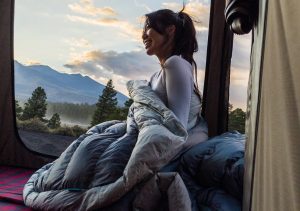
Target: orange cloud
x=198, y=11
x=32, y=62
x=128, y=29
x=78, y=42
x=239, y=77
x=87, y=7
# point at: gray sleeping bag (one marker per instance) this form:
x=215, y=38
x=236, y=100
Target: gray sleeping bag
x=213, y=172
x=114, y=158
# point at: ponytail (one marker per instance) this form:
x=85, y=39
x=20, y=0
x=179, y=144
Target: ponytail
x=186, y=43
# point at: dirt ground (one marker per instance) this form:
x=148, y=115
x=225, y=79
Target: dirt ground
x=45, y=143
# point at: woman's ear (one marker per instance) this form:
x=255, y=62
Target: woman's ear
x=170, y=30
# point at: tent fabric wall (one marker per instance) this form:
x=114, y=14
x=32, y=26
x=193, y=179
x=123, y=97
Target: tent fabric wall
x=12, y=150
x=276, y=154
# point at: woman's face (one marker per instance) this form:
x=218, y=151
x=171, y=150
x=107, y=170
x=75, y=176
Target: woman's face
x=153, y=41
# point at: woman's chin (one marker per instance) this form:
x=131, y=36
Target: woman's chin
x=149, y=52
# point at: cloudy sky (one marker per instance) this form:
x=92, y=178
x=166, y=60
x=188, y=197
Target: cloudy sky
x=102, y=39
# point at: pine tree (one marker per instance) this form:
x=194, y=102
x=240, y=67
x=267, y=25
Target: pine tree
x=54, y=122
x=106, y=104
x=237, y=120
x=36, y=106
x=19, y=109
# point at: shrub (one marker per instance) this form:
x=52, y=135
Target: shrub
x=78, y=130
x=74, y=131
x=34, y=124
x=54, y=122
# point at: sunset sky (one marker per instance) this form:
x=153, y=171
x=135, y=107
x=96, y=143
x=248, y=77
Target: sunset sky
x=102, y=39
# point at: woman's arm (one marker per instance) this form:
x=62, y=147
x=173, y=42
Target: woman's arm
x=179, y=86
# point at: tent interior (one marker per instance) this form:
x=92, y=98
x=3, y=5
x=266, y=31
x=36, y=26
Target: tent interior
x=271, y=176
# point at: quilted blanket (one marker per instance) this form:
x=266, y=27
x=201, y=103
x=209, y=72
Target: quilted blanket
x=148, y=162
x=109, y=160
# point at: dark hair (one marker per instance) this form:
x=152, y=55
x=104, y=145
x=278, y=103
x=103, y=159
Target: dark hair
x=185, y=34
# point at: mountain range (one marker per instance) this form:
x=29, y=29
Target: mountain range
x=59, y=87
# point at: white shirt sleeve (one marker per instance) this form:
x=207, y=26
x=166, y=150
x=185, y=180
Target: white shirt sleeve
x=179, y=87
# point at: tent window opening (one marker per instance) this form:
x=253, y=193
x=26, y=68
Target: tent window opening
x=239, y=73
x=71, y=66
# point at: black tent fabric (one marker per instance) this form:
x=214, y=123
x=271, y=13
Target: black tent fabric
x=217, y=74
x=12, y=150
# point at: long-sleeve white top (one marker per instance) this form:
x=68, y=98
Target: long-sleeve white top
x=174, y=85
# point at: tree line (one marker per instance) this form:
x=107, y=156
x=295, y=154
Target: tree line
x=71, y=112
x=105, y=109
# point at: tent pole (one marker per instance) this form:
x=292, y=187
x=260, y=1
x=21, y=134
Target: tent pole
x=217, y=74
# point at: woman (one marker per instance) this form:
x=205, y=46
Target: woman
x=172, y=38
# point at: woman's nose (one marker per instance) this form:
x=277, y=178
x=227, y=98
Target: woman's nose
x=144, y=35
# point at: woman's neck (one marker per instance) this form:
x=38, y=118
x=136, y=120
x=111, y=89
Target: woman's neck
x=165, y=52
x=162, y=59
